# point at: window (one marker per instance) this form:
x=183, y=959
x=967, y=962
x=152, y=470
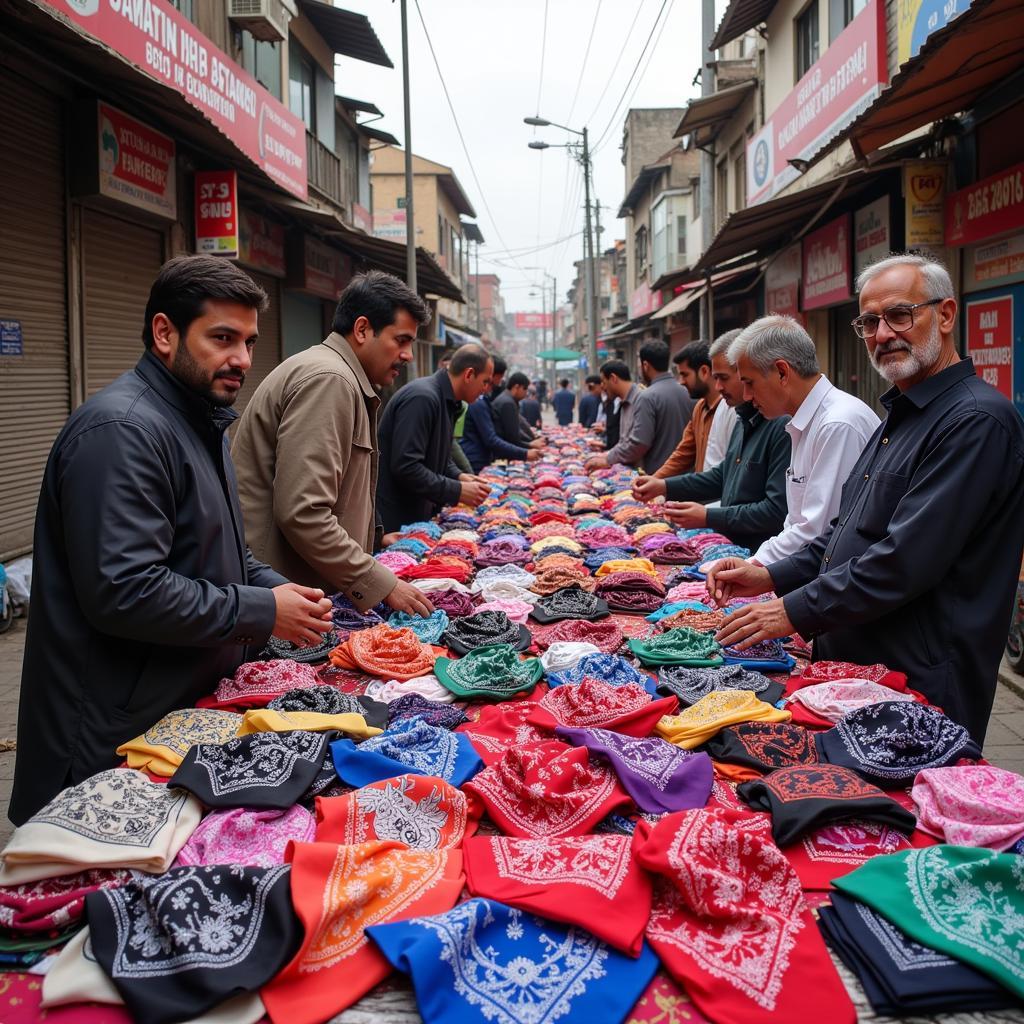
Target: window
x=807, y=43
x=440, y=235
x=721, y=193
x=640, y=252
x=841, y=13
x=262, y=61
x=695, y=192
x=301, y=86
x=668, y=235
x=739, y=175
x=186, y=8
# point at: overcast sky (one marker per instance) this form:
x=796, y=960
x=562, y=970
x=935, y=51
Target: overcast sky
x=490, y=56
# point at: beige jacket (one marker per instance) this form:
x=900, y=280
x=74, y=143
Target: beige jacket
x=306, y=457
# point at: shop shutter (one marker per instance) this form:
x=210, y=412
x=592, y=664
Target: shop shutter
x=34, y=386
x=267, y=353
x=120, y=260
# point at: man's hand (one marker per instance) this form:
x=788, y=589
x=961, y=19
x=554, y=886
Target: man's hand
x=753, y=623
x=688, y=515
x=734, y=577
x=532, y=454
x=474, y=491
x=537, y=442
x=303, y=614
x=596, y=462
x=647, y=488
x=409, y=599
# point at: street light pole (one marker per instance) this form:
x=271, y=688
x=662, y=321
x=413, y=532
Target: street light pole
x=410, y=222
x=707, y=167
x=591, y=264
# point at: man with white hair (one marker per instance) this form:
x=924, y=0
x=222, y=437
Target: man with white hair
x=919, y=569
x=778, y=366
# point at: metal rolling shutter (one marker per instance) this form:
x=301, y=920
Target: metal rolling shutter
x=34, y=387
x=119, y=263
x=267, y=353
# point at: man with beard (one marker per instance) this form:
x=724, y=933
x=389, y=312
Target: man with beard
x=919, y=569
x=306, y=448
x=145, y=593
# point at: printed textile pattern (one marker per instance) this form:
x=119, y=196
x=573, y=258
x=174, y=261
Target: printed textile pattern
x=493, y=669
x=818, y=782
x=265, y=678
x=609, y=668
x=54, y=902
x=593, y=702
x=415, y=705
x=425, y=748
x=690, y=684
x=599, y=862
x=650, y=757
x=261, y=761
x=771, y=744
x=851, y=842
x=973, y=805
x=323, y=700
x=312, y=654
x=186, y=727
x=246, y=836
x=536, y=987
x=482, y=629
x=570, y=602
x=605, y=636
x=829, y=670
x=735, y=906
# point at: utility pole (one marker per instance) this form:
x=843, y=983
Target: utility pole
x=597, y=263
x=591, y=278
x=476, y=289
x=707, y=166
x=410, y=222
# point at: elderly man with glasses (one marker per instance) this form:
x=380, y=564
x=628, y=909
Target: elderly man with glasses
x=919, y=568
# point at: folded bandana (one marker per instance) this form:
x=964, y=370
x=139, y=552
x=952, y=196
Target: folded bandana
x=546, y=789
x=628, y=565
x=179, y=945
x=35, y=908
x=808, y=797
x=958, y=900
x=337, y=892
x=763, y=746
x=114, y=819
x=702, y=621
x=659, y=777
x=257, y=682
x=506, y=590
x=428, y=629
x=408, y=746
x=836, y=699
x=972, y=805
x=265, y=769
x=494, y=671
x=502, y=727
x=597, y=558
x=609, y=668
x=627, y=709
x=417, y=811
x=161, y=747
x=502, y=551
x=697, y=724
x=452, y=602
x=588, y=881
x=691, y=684
x=550, y=580
x=565, y=654
x=890, y=743
x=678, y=646
x=414, y=705
x=517, y=611
x=313, y=654
x=483, y=629
x=598, y=537
x=569, y=603
x=502, y=574
x=605, y=636
x=427, y=687
x=246, y=837
x=326, y=700
x=635, y=592
x=447, y=567
x=385, y=652
x=822, y=671
x=266, y=720
x=729, y=922
x=486, y=962
x=674, y=552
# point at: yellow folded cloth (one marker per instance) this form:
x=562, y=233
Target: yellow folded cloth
x=265, y=720
x=556, y=542
x=161, y=748
x=697, y=724
x=648, y=528
x=628, y=565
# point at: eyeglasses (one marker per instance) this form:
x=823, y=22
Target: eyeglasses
x=899, y=318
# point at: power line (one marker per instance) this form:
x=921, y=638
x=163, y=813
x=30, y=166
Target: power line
x=618, y=60
x=583, y=66
x=543, y=51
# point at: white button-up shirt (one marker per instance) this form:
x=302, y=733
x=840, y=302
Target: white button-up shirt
x=718, y=436
x=828, y=431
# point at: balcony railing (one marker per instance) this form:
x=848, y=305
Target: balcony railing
x=324, y=170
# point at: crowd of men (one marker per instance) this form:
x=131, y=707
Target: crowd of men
x=165, y=557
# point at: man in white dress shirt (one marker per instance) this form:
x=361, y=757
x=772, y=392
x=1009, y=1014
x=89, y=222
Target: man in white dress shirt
x=829, y=428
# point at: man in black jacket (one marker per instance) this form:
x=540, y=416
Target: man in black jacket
x=505, y=410
x=417, y=476
x=145, y=592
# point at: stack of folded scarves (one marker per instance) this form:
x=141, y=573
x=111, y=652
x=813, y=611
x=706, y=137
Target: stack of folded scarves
x=632, y=592
x=385, y=652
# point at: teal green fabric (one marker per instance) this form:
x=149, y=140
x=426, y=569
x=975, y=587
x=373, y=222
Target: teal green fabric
x=679, y=646
x=493, y=671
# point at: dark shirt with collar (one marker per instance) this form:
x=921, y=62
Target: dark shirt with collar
x=589, y=405
x=563, y=402
x=505, y=410
x=481, y=442
x=417, y=476
x=920, y=568
x=529, y=409
x=750, y=481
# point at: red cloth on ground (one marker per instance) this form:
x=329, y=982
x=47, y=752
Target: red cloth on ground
x=444, y=567
x=593, y=703
x=605, y=635
x=591, y=881
x=502, y=727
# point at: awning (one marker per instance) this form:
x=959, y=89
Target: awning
x=363, y=106
x=705, y=116
x=773, y=225
x=740, y=16
x=640, y=184
x=558, y=355
x=378, y=135
x=957, y=64
x=681, y=303
x=346, y=32
x=471, y=232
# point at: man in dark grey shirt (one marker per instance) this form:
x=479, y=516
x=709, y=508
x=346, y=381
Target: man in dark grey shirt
x=920, y=567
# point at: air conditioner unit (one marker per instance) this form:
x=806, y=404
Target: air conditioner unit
x=267, y=20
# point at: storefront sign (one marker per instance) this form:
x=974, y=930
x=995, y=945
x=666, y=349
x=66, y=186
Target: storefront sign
x=924, y=197
x=990, y=341
x=917, y=19
x=643, y=301
x=164, y=45
x=988, y=264
x=988, y=208
x=826, y=264
x=217, y=212
x=261, y=243
x=389, y=224
x=362, y=218
x=11, y=341
x=532, y=321
x=323, y=271
x=136, y=163
x=837, y=89
x=782, y=283
x=871, y=240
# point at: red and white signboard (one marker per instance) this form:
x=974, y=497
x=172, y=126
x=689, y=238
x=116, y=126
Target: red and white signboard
x=871, y=240
x=217, y=212
x=643, y=301
x=826, y=264
x=532, y=321
x=991, y=207
x=990, y=341
x=136, y=163
x=163, y=44
x=838, y=88
x=782, y=283
x=261, y=243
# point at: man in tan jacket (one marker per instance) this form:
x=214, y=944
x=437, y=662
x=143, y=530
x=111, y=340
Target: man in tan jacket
x=306, y=449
